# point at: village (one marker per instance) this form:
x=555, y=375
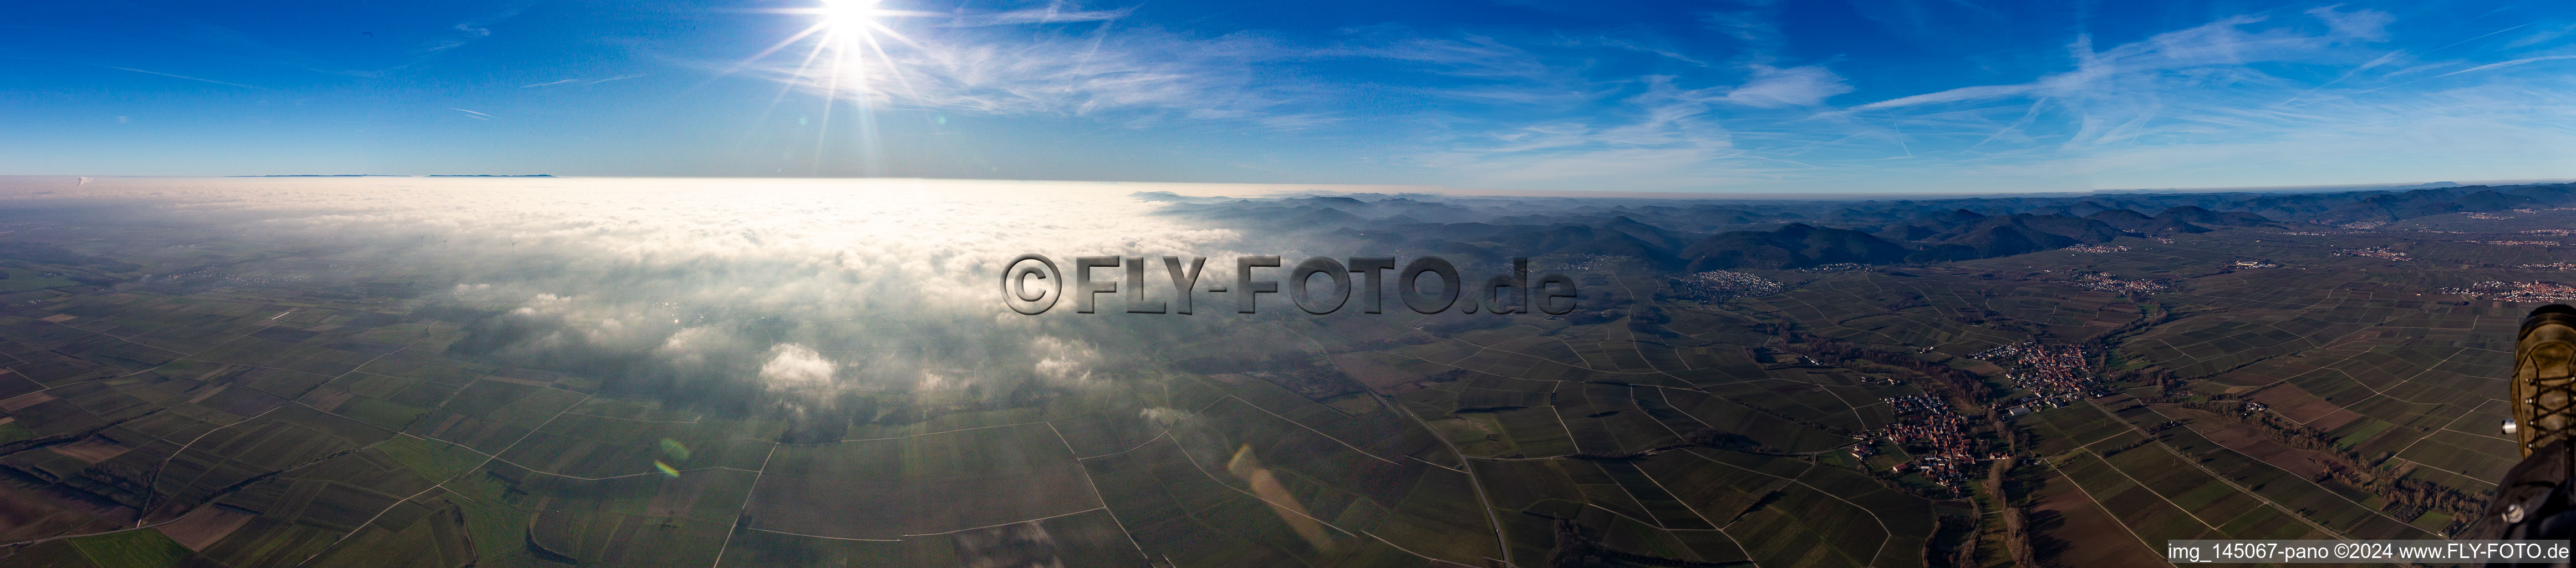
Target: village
x=2388, y=253
x=2521, y=243
x=1719, y=285
x=2053, y=375
x=2517, y=291
x=2100, y=282
x=1936, y=436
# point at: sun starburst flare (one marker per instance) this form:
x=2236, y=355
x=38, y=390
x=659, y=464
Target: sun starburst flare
x=845, y=42
x=845, y=58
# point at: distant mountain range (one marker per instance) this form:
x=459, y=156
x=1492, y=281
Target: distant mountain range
x=1699, y=235
x=2297, y=189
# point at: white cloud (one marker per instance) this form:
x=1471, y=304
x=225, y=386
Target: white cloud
x=1051, y=14
x=1954, y=95
x=1063, y=362
x=2359, y=24
x=1114, y=75
x=1538, y=115
x=1666, y=137
x=1753, y=23
x=1471, y=56
x=794, y=367
x=2226, y=43
x=2234, y=102
x=799, y=288
x=1164, y=416
x=468, y=32
x=2508, y=63
x=2541, y=37
x=1772, y=87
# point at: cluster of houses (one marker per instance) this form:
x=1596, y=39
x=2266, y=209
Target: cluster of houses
x=1716, y=285
x=2097, y=248
x=2100, y=282
x=1937, y=437
x=2385, y=253
x=2053, y=375
x=2518, y=291
x=2521, y=243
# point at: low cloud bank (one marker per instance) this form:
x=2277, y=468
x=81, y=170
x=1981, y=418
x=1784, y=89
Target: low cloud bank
x=741, y=294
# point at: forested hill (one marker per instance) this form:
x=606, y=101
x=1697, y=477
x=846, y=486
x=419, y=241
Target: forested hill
x=1681, y=234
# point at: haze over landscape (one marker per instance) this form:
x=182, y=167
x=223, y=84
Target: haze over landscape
x=1854, y=284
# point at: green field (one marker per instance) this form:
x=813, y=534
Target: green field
x=22, y=279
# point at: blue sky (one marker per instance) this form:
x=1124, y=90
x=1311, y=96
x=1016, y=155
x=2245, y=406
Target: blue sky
x=1841, y=96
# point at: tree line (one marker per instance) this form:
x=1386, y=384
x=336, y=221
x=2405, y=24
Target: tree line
x=2412, y=496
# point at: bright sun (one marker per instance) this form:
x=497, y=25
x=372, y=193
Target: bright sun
x=845, y=58
x=853, y=16
x=846, y=46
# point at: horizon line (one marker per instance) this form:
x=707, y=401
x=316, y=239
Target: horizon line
x=1274, y=188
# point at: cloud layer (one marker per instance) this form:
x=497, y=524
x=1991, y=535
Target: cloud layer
x=793, y=290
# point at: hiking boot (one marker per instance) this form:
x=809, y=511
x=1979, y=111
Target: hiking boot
x=2544, y=378
x=2537, y=498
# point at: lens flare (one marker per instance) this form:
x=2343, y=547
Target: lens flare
x=844, y=50
x=845, y=58
x=849, y=13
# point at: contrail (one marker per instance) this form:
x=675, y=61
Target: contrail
x=180, y=76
